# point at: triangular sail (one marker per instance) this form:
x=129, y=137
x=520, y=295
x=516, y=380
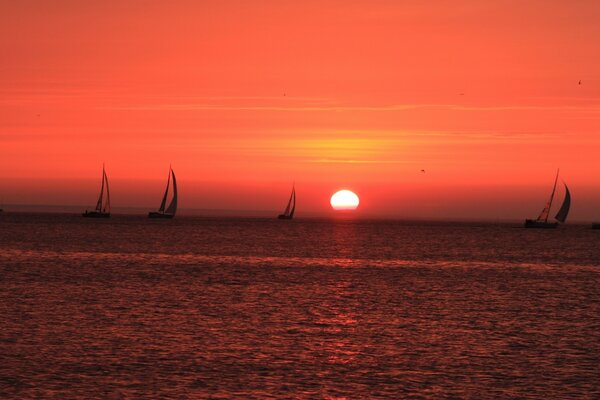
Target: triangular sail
x=99, y=203
x=562, y=214
x=289, y=204
x=543, y=217
x=294, y=203
x=173, y=206
x=164, y=199
x=107, y=204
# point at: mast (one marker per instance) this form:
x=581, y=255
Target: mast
x=173, y=206
x=546, y=211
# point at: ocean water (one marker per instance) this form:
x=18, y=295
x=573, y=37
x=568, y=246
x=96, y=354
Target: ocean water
x=306, y=309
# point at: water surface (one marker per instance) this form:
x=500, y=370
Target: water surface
x=261, y=308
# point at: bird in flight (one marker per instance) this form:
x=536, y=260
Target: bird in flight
x=580, y=82
x=423, y=170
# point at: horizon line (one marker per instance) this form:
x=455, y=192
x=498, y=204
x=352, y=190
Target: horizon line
x=267, y=214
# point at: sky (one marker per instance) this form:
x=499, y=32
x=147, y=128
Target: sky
x=243, y=98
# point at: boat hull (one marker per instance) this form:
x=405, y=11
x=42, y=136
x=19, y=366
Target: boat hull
x=95, y=214
x=596, y=225
x=532, y=223
x=159, y=215
x=283, y=216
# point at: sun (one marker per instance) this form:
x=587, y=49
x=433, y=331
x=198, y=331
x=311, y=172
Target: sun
x=344, y=200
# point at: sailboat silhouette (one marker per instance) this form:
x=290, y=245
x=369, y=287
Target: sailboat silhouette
x=102, y=209
x=172, y=208
x=291, y=206
x=561, y=216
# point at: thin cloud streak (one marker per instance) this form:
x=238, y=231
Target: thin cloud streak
x=333, y=161
x=211, y=107
x=593, y=108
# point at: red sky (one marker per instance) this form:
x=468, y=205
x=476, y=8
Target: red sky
x=244, y=97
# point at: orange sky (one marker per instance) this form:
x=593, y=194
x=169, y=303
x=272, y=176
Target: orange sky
x=243, y=97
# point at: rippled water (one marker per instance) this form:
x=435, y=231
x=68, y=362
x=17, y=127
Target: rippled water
x=257, y=308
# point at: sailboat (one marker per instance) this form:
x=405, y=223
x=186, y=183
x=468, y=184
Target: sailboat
x=561, y=216
x=172, y=208
x=291, y=206
x=102, y=209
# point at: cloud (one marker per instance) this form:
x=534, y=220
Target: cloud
x=305, y=108
x=314, y=104
x=350, y=161
x=590, y=108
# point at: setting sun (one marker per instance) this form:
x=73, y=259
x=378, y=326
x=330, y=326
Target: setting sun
x=344, y=200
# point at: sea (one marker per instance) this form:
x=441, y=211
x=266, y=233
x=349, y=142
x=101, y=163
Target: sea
x=259, y=308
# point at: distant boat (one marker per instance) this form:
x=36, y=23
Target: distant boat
x=291, y=206
x=102, y=209
x=170, y=211
x=561, y=216
x=596, y=225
